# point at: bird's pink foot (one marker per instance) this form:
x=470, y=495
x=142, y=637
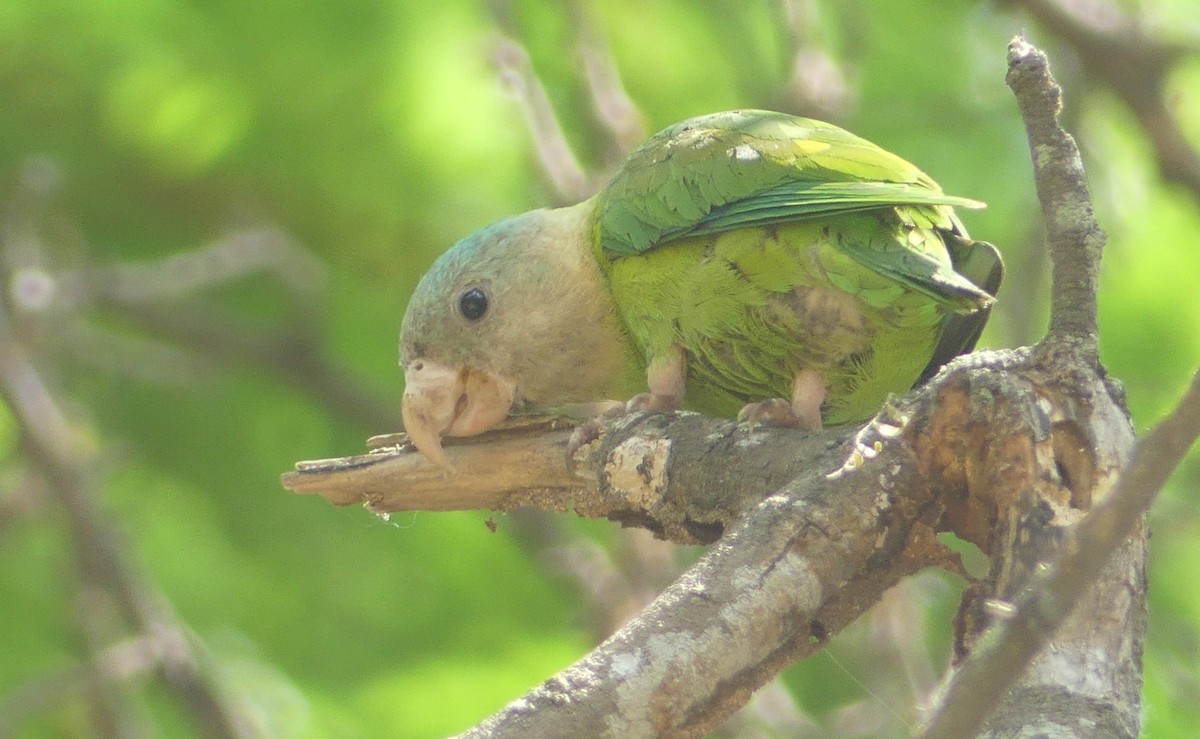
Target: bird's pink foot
x=775, y=412
x=593, y=415
x=666, y=377
x=802, y=412
x=654, y=403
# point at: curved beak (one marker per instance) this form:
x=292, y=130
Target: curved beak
x=451, y=401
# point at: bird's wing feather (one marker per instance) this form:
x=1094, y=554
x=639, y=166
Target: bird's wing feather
x=746, y=168
x=809, y=199
x=756, y=168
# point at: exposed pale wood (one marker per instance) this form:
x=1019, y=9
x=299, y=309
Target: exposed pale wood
x=518, y=465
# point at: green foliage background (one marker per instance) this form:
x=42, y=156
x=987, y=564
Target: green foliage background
x=375, y=133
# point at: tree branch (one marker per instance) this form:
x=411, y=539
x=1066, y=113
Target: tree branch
x=615, y=110
x=1076, y=240
x=791, y=572
x=121, y=661
x=292, y=351
x=1025, y=626
x=1054, y=575
x=566, y=175
x=650, y=470
x=809, y=556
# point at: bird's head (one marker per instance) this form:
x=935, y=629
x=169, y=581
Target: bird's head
x=493, y=325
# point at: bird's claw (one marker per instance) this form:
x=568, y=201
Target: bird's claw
x=802, y=412
x=591, y=428
x=653, y=402
x=778, y=413
x=584, y=434
x=887, y=424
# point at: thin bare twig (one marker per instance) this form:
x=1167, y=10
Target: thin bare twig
x=120, y=661
x=818, y=85
x=615, y=110
x=235, y=255
x=292, y=352
x=567, y=176
x=59, y=302
x=1075, y=238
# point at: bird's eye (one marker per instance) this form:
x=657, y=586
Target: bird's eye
x=473, y=304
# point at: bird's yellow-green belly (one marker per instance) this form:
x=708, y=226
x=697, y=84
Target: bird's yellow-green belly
x=753, y=307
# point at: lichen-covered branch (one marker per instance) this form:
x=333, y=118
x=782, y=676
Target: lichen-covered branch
x=813, y=550
x=800, y=565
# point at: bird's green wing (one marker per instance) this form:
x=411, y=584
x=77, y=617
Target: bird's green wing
x=792, y=201
x=740, y=168
x=979, y=262
x=754, y=168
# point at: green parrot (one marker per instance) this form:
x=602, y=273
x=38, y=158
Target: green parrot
x=781, y=269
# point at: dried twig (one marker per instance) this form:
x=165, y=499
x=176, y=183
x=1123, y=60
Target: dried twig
x=1076, y=240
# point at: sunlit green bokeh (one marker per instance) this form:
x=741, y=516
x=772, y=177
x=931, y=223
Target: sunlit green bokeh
x=376, y=133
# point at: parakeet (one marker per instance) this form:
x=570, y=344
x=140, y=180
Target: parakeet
x=775, y=267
